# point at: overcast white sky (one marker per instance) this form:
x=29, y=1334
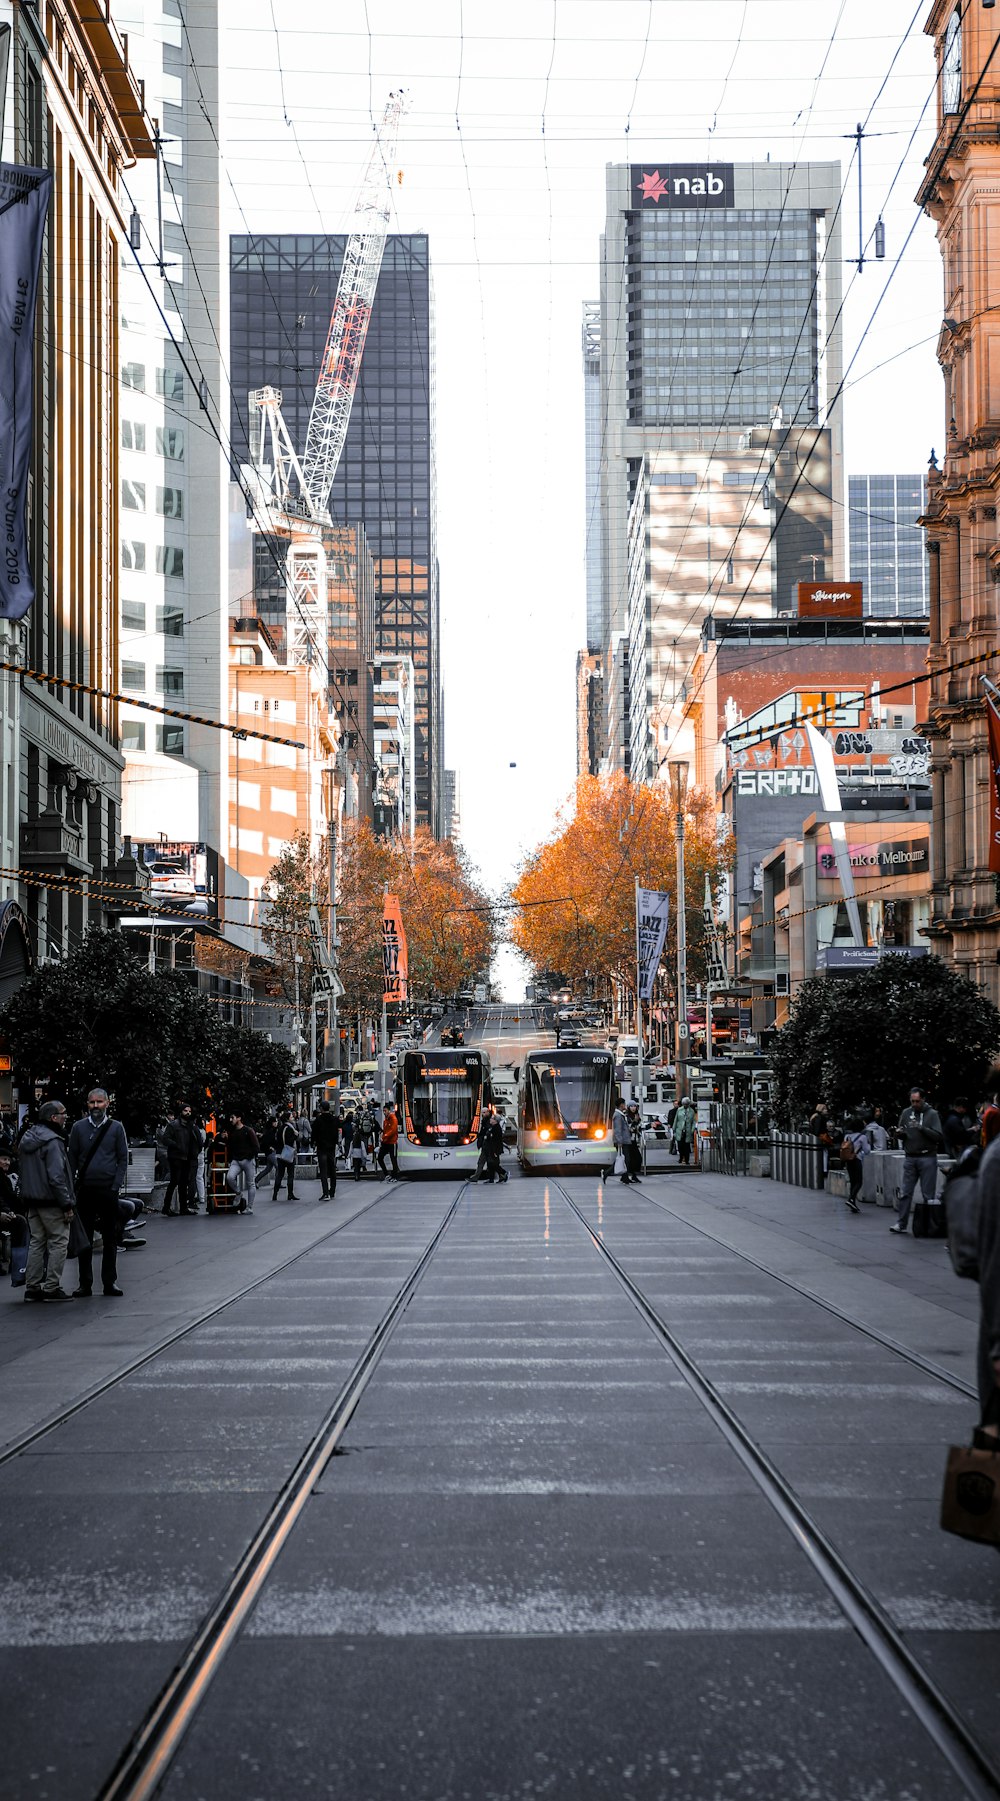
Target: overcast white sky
x=514, y=214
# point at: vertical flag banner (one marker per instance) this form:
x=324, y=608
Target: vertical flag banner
x=24, y=199
x=993, y=730
x=652, y=911
x=394, y=960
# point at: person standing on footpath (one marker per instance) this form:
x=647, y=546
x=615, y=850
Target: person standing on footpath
x=633, y=1151
x=389, y=1141
x=98, y=1156
x=920, y=1130
x=621, y=1138
x=684, y=1124
x=241, y=1150
x=285, y=1163
x=325, y=1133
x=183, y=1147
x=45, y=1188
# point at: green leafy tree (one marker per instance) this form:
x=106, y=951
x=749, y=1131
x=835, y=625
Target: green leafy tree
x=909, y=1022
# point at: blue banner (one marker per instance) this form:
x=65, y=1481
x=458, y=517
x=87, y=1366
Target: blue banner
x=24, y=199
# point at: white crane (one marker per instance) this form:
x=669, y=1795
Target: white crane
x=292, y=493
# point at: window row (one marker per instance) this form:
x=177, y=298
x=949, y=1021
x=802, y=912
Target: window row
x=169, y=620
x=169, y=738
x=169, y=439
x=168, y=558
x=168, y=382
x=168, y=681
x=169, y=501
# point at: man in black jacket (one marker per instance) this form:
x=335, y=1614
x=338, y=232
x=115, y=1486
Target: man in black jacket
x=98, y=1155
x=182, y=1143
x=325, y=1133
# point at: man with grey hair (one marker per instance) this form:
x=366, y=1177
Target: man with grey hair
x=98, y=1155
x=46, y=1184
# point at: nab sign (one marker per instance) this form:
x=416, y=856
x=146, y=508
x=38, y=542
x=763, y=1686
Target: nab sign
x=682, y=184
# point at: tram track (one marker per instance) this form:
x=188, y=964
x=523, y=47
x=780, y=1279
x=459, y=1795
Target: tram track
x=971, y=1762
x=146, y=1760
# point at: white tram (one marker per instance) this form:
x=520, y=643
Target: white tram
x=565, y=1103
x=440, y=1097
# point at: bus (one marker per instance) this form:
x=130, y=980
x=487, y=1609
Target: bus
x=565, y=1103
x=440, y=1097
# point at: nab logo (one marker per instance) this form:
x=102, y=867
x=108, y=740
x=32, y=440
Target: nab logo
x=682, y=184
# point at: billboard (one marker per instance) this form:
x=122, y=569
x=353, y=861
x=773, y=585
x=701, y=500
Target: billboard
x=831, y=600
x=24, y=199
x=681, y=184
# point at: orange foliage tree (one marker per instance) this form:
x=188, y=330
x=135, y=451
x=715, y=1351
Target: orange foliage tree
x=575, y=895
x=446, y=914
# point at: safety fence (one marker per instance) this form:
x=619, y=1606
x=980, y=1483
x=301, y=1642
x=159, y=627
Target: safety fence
x=796, y=1157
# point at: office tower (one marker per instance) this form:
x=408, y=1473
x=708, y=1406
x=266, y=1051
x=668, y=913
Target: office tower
x=886, y=545
x=282, y=294
x=720, y=453
x=591, y=335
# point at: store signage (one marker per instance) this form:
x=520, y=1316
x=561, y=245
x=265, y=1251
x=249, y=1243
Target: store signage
x=901, y=857
x=682, y=184
x=830, y=600
x=845, y=959
x=776, y=781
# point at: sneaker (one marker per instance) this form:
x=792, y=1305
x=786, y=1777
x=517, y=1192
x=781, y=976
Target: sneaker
x=33, y=1294
x=853, y=1205
x=115, y=1290
x=82, y=1294
x=897, y=1228
x=55, y=1294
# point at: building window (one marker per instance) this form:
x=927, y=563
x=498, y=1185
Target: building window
x=169, y=681
x=170, y=621
x=133, y=435
x=170, y=502
x=133, y=734
x=170, y=442
x=134, y=677
x=133, y=554
x=170, y=383
x=170, y=740
x=951, y=65
x=134, y=496
x=169, y=560
x=133, y=616
x=134, y=376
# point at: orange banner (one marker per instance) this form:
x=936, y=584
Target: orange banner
x=993, y=729
x=394, y=962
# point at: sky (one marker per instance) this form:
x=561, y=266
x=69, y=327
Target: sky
x=513, y=113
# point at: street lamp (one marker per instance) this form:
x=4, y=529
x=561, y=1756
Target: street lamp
x=678, y=767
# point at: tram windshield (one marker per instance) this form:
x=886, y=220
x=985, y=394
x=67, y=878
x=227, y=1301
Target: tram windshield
x=442, y=1094
x=570, y=1094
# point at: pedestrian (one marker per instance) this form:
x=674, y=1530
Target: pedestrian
x=875, y=1132
x=484, y=1126
x=269, y=1141
x=325, y=1133
x=390, y=1138
x=633, y=1150
x=198, y=1199
x=46, y=1190
x=98, y=1156
x=493, y=1148
x=241, y=1151
x=183, y=1148
x=621, y=1138
x=988, y=1352
x=821, y=1126
x=346, y=1136
x=920, y=1130
x=303, y=1129
x=989, y=1118
x=359, y=1148
x=685, y=1120
x=854, y=1149
x=959, y=1127
x=284, y=1165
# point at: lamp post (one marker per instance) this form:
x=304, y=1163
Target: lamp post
x=678, y=783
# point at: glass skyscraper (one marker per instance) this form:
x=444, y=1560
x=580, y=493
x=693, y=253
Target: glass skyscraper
x=887, y=551
x=282, y=291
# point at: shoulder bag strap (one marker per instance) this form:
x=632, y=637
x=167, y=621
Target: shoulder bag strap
x=91, y=1148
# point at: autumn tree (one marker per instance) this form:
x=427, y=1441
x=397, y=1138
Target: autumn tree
x=295, y=883
x=575, y=895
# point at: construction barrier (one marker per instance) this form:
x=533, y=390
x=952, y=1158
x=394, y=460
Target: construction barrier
x=796, y=1158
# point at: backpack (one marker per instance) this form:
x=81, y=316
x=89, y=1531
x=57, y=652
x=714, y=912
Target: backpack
x=847, y=1151
x=961, y=1201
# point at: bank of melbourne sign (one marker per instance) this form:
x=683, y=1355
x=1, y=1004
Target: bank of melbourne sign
x=682, y=184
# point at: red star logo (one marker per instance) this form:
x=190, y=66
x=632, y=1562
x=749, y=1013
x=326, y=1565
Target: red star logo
x=654, y=186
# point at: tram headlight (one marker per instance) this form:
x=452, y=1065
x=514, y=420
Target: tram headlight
x=545, y=1134
x=599, y=1132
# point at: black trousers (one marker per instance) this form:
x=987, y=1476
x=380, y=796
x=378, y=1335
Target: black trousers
x=327, y=1161
x=388, y=1150
x=98, y=1209
x=183, y=1178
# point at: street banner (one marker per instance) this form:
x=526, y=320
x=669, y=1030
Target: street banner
x=24, y=199
x=651, y=913
x=394, y=962
x=993, y=729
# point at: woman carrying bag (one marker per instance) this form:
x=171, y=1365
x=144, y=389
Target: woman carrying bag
x=285, y=1165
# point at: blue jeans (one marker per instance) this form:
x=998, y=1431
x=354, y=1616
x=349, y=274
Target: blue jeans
x=925, y=1170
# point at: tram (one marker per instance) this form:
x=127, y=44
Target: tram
x=440, y=1097
x=565, y=1102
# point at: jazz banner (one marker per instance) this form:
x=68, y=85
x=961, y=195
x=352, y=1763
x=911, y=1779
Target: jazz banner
x=24, y=199
x=652, y=911
x=394, y=962
x=993, y=731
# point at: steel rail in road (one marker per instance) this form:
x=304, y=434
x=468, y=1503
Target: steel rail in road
x=15, y=1446
x=954, y=1738
x=883, y=1338
x=146, y=1760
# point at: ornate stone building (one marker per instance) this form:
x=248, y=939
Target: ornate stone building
x=961, y=193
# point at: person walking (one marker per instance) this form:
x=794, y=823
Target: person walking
x=920, y=1130
x=359, y=1148
x=346, y=1136
x=959, y=1127
x=284, y=1167
x=481, y=1136
x=988, y=1350
x=389, y=1141
x=98, y=1156
x=875, y=1132
x=303, y=1128
x=854, y=1148
x=493, y=1150
x=183, y=1147
x=45, y=1188
x=633, y=1150
x=325, y=1133
x=621, y=1138
x=684, y=1124
x=241, y=1151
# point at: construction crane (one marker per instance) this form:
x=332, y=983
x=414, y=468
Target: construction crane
x=291, y=493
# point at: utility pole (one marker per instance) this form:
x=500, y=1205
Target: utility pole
x=678, y=780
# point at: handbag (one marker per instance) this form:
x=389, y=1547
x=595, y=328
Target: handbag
x=620, y=1164
x=286, y=1154
x=970, y=1500
x=18, y=1264
x=78, y=1240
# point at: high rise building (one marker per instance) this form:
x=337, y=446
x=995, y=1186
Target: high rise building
x=452, y=808
x=592, y=467
x=720, y=432
x=886, y=545
x=282, y=294
x=174, y=484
